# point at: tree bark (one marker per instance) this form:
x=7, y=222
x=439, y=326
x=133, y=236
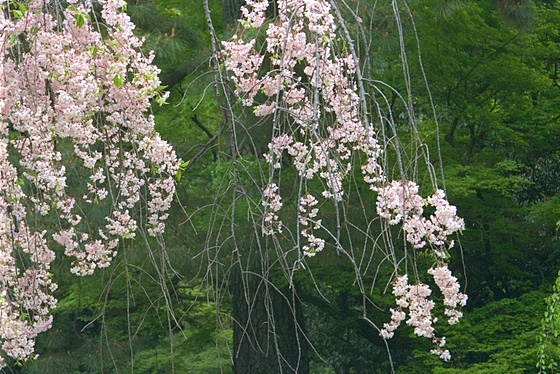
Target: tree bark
x=268, y=331
x=231, y=12
x=450, y=137
x=268, y=334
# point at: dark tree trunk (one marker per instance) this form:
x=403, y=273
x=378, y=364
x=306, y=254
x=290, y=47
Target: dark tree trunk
x=450, y=137
x=231, y=12
x=268, y=334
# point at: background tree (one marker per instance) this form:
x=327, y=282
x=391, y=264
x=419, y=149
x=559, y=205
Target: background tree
x=324, y=148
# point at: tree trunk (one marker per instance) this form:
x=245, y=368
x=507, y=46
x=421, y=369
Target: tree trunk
x=268, y=335
x=231, y=12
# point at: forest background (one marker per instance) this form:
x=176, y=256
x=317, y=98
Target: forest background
x=493, y=70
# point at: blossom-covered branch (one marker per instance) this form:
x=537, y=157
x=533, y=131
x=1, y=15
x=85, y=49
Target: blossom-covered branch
x=72, y=82
x=321, y=102
x=415, y=299
x=301, y=78
x=399, y=201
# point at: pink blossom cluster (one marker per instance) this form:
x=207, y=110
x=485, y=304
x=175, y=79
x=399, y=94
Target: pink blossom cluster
x=309, y=212
x=415, y=298
x=254, y=12
x=439, y=351
x=66, y=88
x=299, y=77
x=449, y=287
x=272, y=203
x=311, y=84
x=25, y=294
x=400, y=201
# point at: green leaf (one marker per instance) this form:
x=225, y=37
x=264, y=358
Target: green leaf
x=80, y=20
x=182, y=166
x=13, y=40
x=160, y=99
x=118, y=80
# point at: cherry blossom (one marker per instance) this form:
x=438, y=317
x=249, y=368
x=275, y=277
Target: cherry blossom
x=400, y=201
x=69, y=92
x=449, y=287
x=415, y=299
x=272, y=202
x=322, y=142
x=310, y=89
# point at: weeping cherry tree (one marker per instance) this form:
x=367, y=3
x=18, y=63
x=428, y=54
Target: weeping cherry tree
x=74, y=88
x=295, y=69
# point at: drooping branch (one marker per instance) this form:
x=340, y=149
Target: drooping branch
x=308, y=88
x=74, y=90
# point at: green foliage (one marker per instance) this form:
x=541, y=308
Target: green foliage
x=497, y=338
x=200, y=348
x=494, y=89
x=103, y=323
x=168, y=34
x=342, y=340
x=549, y=337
